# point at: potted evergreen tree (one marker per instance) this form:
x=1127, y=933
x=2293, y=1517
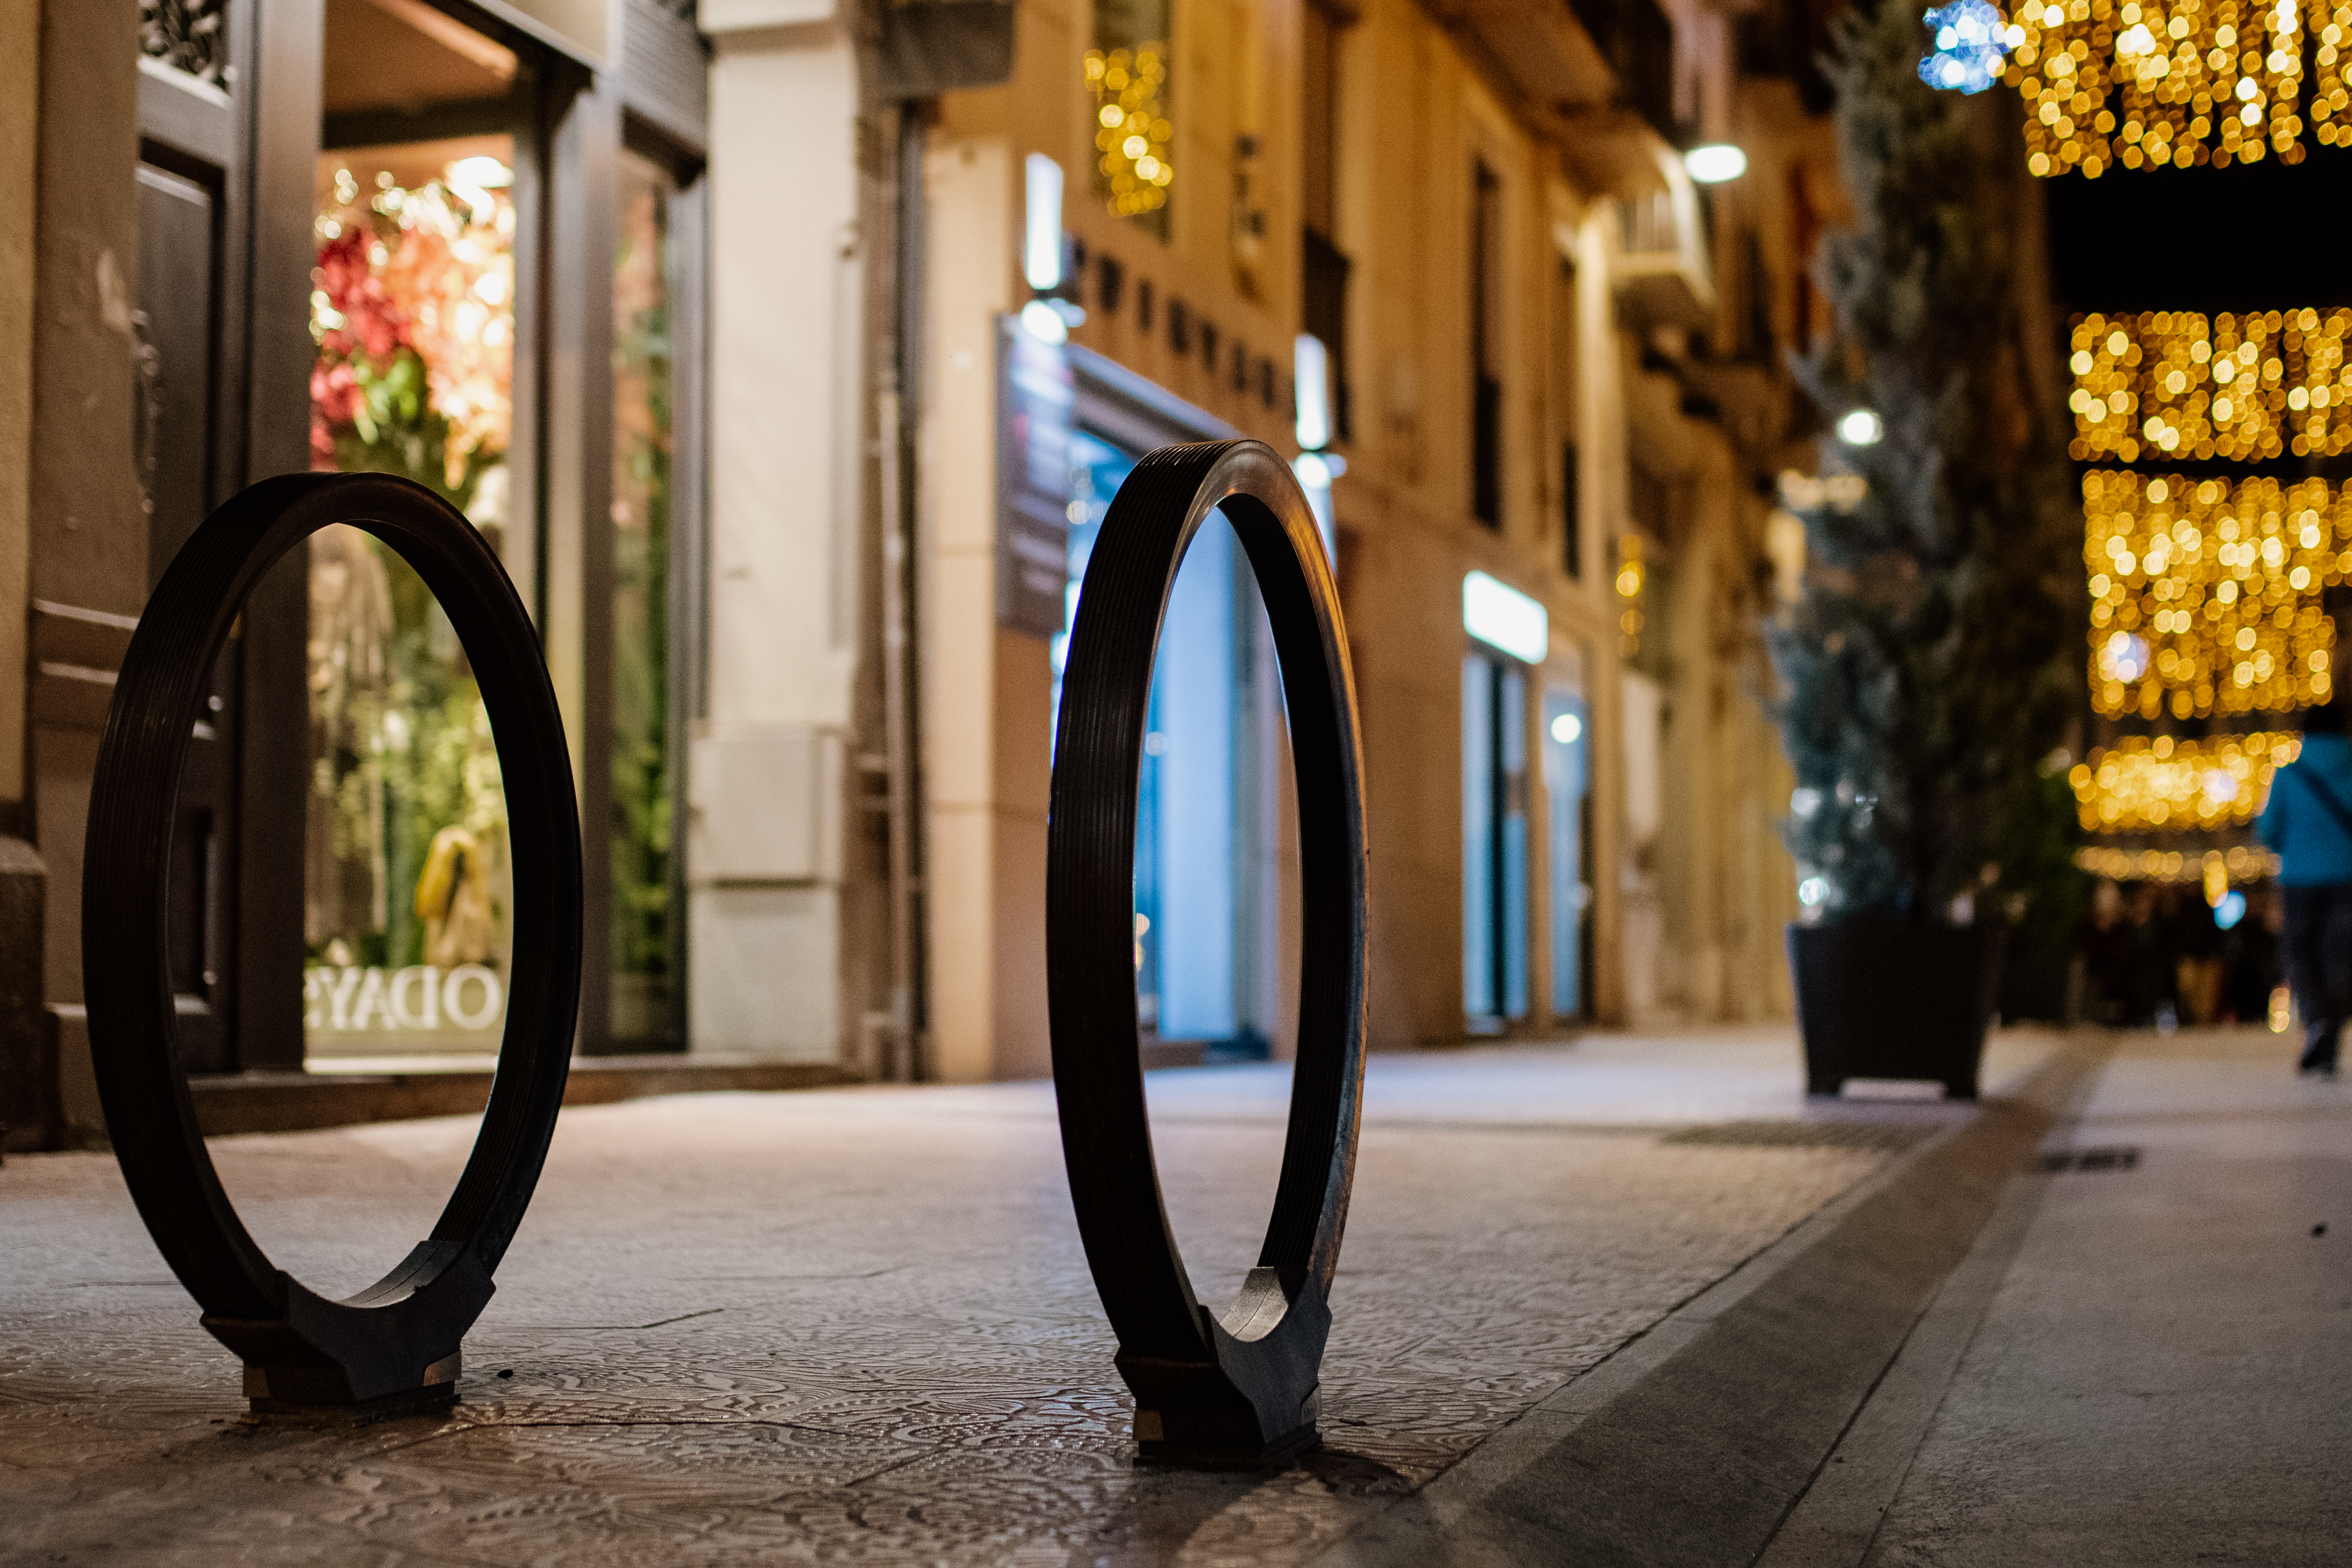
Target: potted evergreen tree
x=1925, y=671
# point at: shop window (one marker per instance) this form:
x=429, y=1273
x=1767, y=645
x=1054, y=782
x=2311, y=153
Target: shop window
x=1567, y=767
x=407, y=893
x=1493, y=842
x=1486, y=355
x=643, y=906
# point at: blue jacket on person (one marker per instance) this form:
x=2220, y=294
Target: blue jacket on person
x=2313, y=842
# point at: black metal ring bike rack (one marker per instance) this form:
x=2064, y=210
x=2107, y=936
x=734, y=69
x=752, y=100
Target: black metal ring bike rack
x=393, y=1349
x=1238, y=1386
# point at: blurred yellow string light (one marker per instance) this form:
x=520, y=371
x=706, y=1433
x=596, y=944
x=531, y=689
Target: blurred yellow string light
x=1132, y=128
x=1809, y=492
x=2150, y=85
x=2329, y=101
x=2140, y=784
x=2205, y=596
x=1630, y=575
x=2240, y=862
x=2170, y=382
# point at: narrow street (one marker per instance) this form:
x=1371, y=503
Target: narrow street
x=2145, y=1359
x=855, y=1325
x=1746, y=607
x=1625, y=1299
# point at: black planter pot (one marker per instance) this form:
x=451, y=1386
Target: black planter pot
x=1881, y=998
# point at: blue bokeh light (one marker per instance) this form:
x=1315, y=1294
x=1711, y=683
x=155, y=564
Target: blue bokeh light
x=1971, y=39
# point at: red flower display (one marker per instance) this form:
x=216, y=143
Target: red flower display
x=412, y=311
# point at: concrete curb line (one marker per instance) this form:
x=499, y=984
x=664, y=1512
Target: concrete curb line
x=1692, y=1443
x=1833, y=1524
x=294, y=1102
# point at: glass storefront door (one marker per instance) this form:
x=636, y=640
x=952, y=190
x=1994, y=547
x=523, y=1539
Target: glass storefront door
x=1202, y=873
x=1567, y=742
x=438, y=216
x=1493, y=842
x=406, y=894
x=644, y=935
x=188, y=442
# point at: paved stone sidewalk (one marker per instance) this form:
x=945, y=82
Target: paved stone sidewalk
x=857, y=1326
x=2147, y=1361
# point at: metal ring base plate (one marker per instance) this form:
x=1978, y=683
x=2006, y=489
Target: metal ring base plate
x=1257, y=1403
x=266, y=1412
x=1221, y=1456
x=390, y=1349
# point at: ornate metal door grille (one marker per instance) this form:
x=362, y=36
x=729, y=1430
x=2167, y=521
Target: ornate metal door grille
x=191, y=35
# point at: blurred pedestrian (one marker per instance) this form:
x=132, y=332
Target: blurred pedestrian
x=2251, y=949
x=2147, y=966
x=2195, y=943
x=2103, y=955
x=2308, y=823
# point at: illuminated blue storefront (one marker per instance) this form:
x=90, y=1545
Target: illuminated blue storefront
x=1204, y=866
x=1510, y=656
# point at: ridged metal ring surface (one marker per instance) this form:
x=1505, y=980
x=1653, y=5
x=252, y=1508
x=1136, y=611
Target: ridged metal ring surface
x=398, y=1340
x=1236, y=1384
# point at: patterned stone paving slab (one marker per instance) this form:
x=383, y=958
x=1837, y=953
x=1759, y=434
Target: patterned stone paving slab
x=849, y=1327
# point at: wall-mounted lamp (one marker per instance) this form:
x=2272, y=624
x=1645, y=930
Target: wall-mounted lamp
x=1715, y=162
x=1861, y=428
x=1046, y=318
x=1042, y=323
x=1041, y=252
x=1311, y=371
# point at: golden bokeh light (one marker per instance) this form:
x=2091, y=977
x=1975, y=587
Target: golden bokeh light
x=2141, y=785
x=2174, y=383
x=2330, y=105
x=2238, y=862
x=1630, y=575
x=1132, y=132
x=2205, y=596
x=2151, y=85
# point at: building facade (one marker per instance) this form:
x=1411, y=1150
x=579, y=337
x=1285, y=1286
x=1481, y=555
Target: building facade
x=460, y=244
x=792, y=351
x=1550, y=364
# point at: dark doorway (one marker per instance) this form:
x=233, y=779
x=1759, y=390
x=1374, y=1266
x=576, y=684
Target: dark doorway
x=209, y=418
x=176, y=321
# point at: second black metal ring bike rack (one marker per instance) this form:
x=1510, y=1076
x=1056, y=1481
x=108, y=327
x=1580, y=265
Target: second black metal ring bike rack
x=1237, y=1386
x=393, y=1348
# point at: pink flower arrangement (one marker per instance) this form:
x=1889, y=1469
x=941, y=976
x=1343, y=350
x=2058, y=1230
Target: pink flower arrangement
x=420, y=272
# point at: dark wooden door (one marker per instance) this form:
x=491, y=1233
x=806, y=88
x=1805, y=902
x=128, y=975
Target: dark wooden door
x=176, y=315
x=218, y=297
x=187, y=177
